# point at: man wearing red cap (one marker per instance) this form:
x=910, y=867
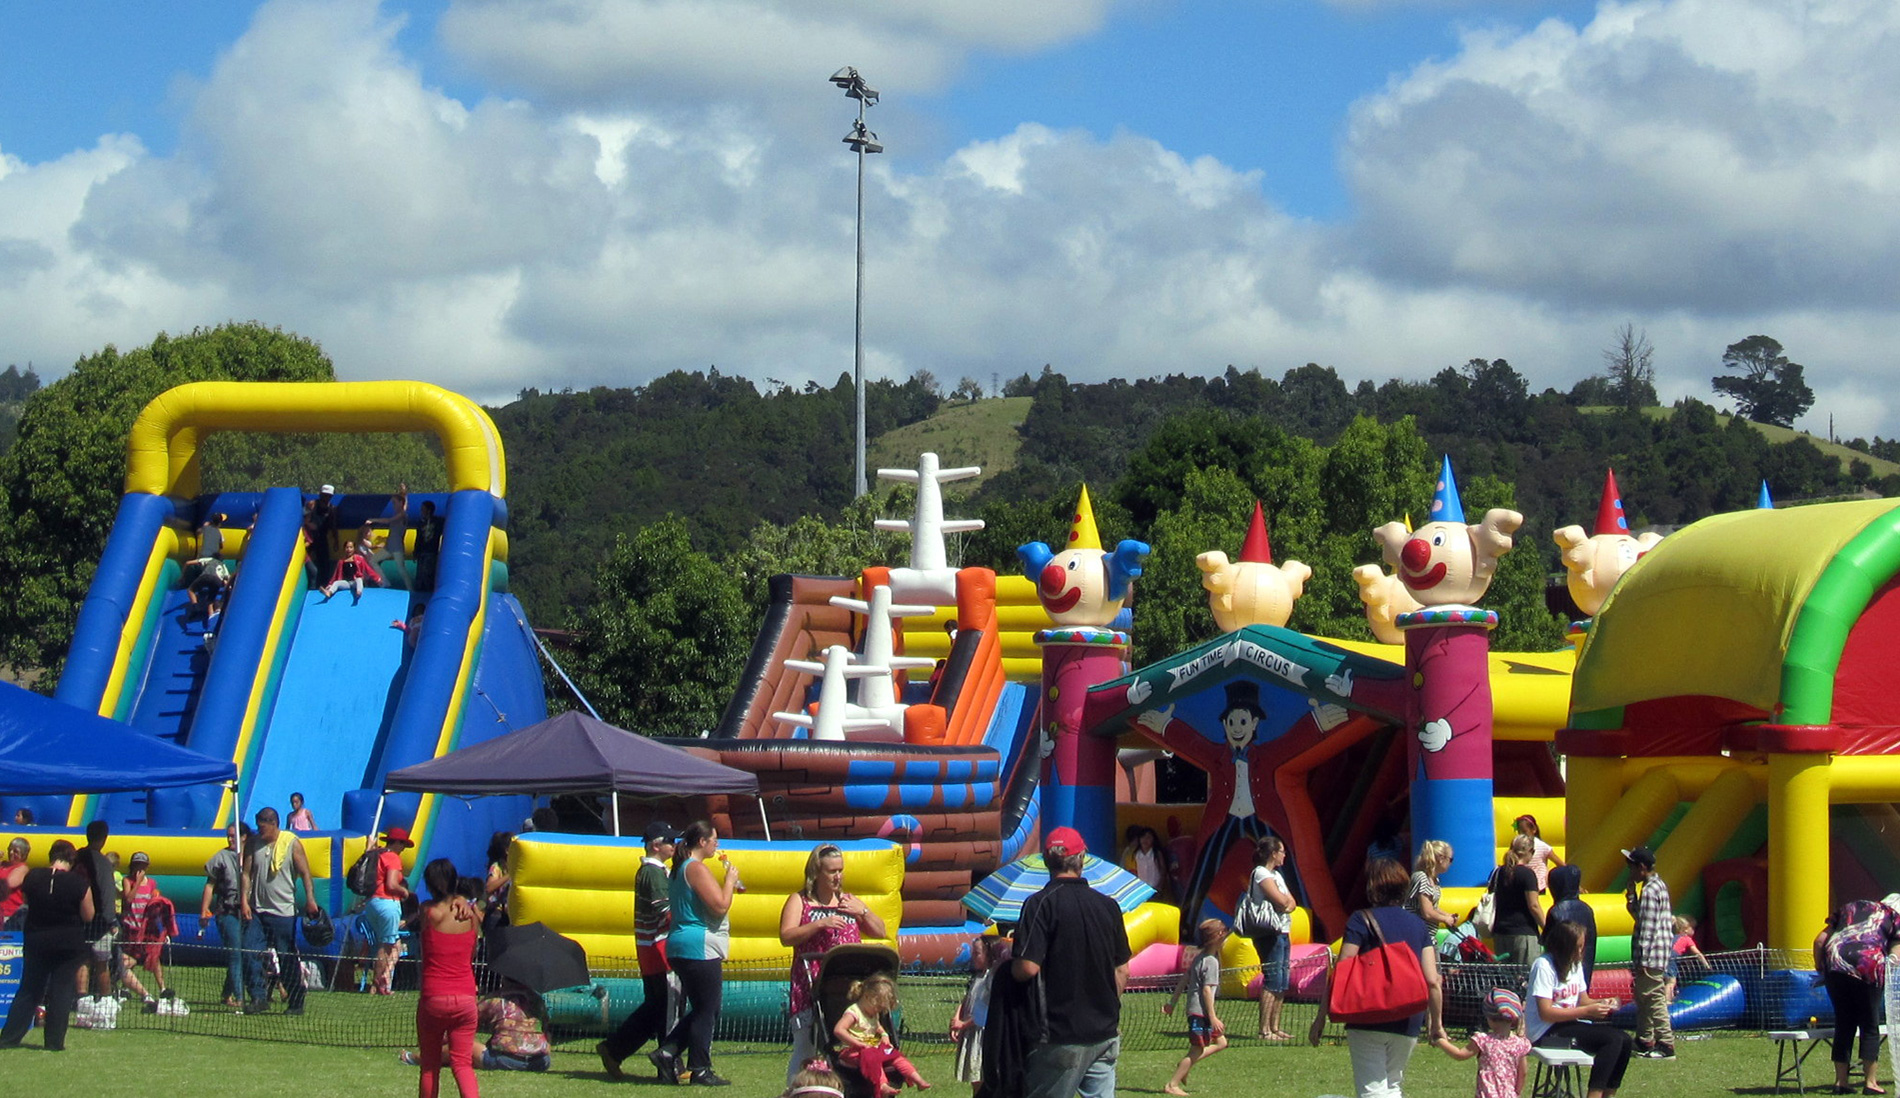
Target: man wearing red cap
x=1072, y=940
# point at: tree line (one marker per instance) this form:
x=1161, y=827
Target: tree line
x=645, y=521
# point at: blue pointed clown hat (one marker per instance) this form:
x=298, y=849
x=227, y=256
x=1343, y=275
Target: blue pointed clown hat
x=1766, y=502
x=1446, y=506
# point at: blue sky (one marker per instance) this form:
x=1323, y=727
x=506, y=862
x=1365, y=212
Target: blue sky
x=1257, y=85
x=498, y=194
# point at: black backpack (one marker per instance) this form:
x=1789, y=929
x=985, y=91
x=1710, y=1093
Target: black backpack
x=362, y=875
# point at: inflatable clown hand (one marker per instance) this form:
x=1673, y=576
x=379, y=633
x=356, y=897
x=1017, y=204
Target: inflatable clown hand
x=1156, y=720
x=1435, y=734
x=1385, y=599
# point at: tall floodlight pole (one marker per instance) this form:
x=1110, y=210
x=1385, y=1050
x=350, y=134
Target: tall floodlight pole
x=863, y=141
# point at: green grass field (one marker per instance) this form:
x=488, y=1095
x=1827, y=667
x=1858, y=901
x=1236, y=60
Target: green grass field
x=152, y=1064
x=347, y=1045
x=981, y=433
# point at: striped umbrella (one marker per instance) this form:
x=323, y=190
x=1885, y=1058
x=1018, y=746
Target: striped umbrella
x=1000, y=896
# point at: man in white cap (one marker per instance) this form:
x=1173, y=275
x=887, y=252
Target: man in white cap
x=1647, y=898
x=320, y=527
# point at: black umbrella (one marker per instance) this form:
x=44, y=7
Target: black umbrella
x=537, y=958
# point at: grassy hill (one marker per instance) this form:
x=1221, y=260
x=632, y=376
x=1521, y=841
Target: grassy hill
x=1778, y=435
x=981, y=432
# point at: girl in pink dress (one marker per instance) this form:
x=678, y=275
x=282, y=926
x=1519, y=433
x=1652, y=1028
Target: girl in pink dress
x=1500, y=1051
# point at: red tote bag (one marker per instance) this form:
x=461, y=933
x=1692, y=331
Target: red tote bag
x=1382, y=984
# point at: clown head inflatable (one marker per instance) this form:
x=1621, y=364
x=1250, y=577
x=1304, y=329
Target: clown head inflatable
x=1596, y=561
x=1252, y=590
x=1082, y=584
x=1445, y=562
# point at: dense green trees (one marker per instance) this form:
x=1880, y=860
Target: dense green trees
x=587, y=467
x=665, y=635
x=621, y=496
x=15, y=386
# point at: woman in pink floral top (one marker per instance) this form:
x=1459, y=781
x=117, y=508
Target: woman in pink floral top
x=820, y=916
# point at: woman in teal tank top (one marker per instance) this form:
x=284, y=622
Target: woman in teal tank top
x=698, y=943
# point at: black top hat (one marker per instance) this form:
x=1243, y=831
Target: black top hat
x=1243, y=694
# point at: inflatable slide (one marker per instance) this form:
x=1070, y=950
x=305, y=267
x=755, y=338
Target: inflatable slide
x=307, y=694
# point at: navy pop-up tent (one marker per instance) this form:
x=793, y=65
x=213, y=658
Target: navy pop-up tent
x=572, y=753
x=49, y=747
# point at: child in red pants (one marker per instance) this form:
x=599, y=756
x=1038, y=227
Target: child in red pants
x=867, y=1047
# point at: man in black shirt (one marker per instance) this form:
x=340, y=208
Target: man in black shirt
x=1073, y=945
x=92, y=864
x=428, y=551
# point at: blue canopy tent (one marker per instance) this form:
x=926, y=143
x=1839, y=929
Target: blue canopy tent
x=48, y=747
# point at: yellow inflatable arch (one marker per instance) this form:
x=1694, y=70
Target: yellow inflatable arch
x=165, y=440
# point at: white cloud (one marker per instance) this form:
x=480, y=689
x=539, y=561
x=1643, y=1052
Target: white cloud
x=601, y=52
x=1704, y=171
x=1728, y=160
x=314, y=157
x=1715, y=155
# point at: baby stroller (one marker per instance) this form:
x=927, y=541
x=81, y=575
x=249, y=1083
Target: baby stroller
x=1469, y=970
x=838, y=969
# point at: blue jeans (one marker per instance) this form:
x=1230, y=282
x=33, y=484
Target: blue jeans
x=1062, y=1071
x=278, y=932
x=231, y=936
x=491, y=1060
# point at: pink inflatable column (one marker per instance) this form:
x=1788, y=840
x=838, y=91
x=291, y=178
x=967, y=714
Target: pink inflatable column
x=1447, y=657
x=1078, y=771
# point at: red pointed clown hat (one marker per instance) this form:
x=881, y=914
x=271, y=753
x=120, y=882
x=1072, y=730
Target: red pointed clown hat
x=1256, y=549
x=1610, y=516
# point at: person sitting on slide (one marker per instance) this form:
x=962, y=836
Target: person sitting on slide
x=356, y=568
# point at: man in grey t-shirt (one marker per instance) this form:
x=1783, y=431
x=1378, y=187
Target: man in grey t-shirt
x=223, y=905
x=271, y=872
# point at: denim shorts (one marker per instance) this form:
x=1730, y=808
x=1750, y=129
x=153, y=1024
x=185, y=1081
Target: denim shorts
x=382, y=921
x=1275, y=948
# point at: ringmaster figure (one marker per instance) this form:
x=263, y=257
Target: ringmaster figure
x=1238, y=781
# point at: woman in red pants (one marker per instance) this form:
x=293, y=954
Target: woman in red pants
x=447, y=1006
